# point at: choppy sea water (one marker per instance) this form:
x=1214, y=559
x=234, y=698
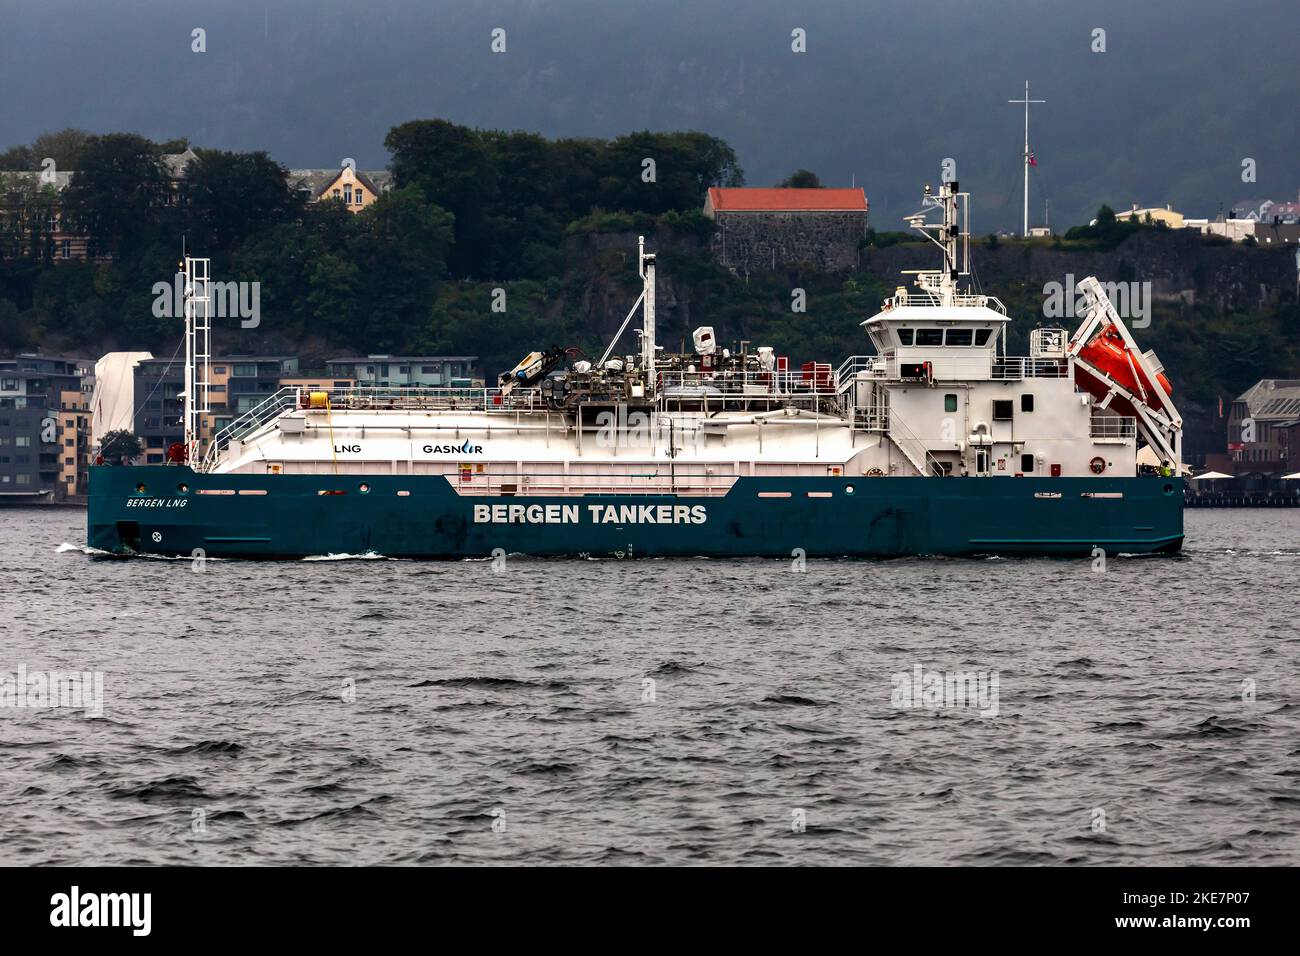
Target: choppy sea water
x=662, y=712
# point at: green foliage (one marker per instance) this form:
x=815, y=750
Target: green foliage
x=1107, y=232
x=800, y=179
x=118, y=445
x=119, y=197
x=229, y=196
x=515, y=191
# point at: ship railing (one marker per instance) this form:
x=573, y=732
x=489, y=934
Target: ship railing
x=468, y=483
x=851, y=366
x=267, y=410
x=374, y=398
x=872, y=418
x=1113, y=427
x=792, y=383
x=1014, y=367
x=926, y=298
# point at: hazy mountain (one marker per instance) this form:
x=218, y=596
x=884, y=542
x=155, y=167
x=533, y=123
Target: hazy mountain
x=1185, y=91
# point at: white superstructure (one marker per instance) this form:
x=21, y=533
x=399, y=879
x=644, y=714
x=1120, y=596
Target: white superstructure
x=940, y=397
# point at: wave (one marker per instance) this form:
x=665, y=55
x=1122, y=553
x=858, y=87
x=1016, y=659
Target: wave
x=363, y=556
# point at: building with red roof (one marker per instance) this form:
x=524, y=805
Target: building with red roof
x=761, y=230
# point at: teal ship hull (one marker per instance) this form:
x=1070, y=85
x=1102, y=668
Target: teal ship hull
x=174, y=511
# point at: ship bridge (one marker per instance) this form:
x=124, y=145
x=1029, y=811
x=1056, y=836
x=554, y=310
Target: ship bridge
x=938, y=342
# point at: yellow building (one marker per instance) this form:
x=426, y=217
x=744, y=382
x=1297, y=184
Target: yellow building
x=73, y=437
x=1174, y=220
x=356, y=189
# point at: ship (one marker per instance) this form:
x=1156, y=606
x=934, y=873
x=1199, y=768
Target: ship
x=937, y=442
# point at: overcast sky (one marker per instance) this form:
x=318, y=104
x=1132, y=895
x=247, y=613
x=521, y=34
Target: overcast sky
x=1185, y=91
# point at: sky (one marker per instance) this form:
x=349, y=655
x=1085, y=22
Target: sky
x=1164, y=106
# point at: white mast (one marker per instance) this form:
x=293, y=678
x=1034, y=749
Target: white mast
x=198, y=351
x=646, y=262
x=1026, y=101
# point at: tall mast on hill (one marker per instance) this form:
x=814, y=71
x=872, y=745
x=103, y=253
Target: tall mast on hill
x=1027, y=163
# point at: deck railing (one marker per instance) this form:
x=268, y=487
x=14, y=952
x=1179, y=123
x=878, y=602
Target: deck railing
x=1014, y=367
x=1115, y=427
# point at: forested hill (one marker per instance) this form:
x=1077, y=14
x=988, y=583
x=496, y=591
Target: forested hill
x=1163, y=111
x=553, y=225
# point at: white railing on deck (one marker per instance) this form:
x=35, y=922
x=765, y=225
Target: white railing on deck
x=376, y=398
x=1112, y=426
x=819, y=380
x=1014, y=367
x=924, y=298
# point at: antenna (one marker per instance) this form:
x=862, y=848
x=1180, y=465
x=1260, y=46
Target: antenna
x=1026, y=101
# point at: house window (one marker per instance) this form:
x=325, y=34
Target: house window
x=65, y=248
x=246, y=371
x=1002, y=410
x=428, y=369
x=1026, y=463
x=358, y=195
x=1026, y=403
x=950, y=403
x=347, y=195
x=23, y=441
x=335, y=194
x=404, y=369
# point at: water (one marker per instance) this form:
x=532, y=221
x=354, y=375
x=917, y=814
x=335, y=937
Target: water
x=499, y=717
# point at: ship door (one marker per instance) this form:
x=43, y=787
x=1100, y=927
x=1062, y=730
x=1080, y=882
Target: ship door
x=981, y=461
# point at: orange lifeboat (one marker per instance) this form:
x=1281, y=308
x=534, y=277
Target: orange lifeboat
x=1108, y=354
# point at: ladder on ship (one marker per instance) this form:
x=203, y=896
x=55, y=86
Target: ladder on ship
x=198, y=351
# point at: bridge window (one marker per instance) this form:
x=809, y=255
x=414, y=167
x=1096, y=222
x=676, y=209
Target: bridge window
x=929, y=336
x=959, y=337
x=982, y=336
x=905, y=336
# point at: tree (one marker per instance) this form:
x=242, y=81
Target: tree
x=120, y=445
x=800, y=179
x=118, y=192
x=16, y=159
x=453, y=167
x=231, y=195
x=64, y=147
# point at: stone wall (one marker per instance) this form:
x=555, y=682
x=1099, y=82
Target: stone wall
x=752, y=242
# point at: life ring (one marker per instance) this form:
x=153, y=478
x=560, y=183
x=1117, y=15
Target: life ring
x=1098, y=465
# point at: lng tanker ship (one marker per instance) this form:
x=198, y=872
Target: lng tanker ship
x=938, y=442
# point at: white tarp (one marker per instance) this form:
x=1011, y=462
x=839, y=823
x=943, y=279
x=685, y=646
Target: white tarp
x=112, y=404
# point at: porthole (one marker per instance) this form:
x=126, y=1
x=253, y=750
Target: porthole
x=183, y=488
x=363, y=488
x=848, y=489
x=1169, y=489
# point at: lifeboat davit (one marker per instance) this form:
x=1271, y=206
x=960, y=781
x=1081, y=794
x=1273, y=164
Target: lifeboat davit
x=1108, y=356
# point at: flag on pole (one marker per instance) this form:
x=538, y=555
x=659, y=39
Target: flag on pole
x=1033, y=160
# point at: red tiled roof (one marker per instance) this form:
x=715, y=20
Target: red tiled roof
x=780, y=200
